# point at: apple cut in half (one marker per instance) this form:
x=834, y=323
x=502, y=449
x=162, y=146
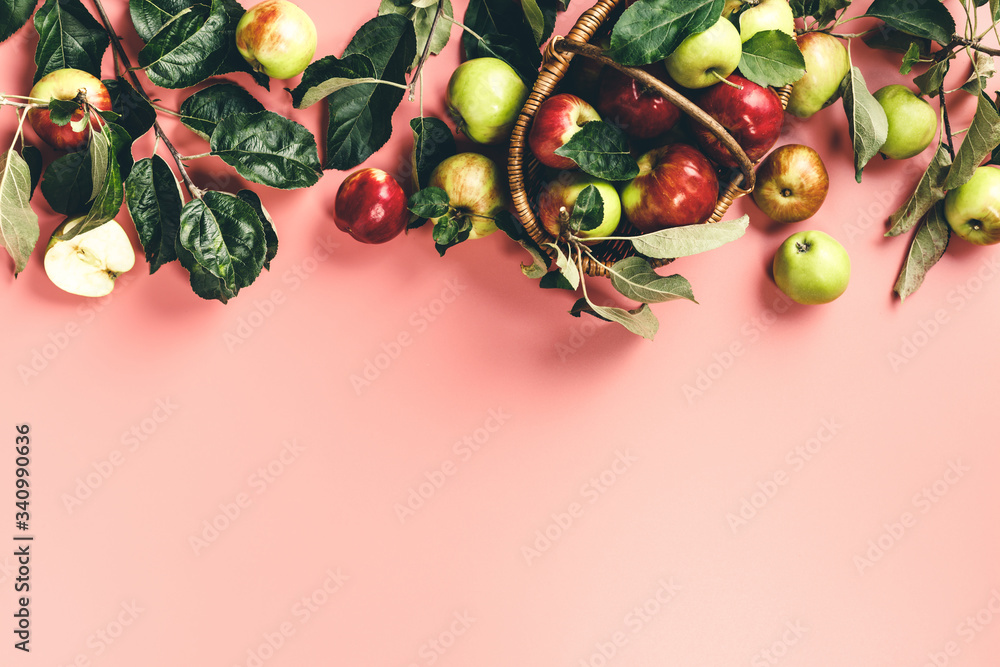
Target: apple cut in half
x=89, y=263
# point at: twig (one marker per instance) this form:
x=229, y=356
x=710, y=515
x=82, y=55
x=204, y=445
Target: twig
x=947, y=123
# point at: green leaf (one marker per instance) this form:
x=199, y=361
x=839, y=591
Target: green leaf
x=16, y=13
x=222, y=244
x=568, y=268
x=928, y=246
x=928, y=18
x=866, y=120
x=536, y=20
x=149, y=16
x=449, y=231
x=135, y=112
x=640, y=321
x=68, y=36
x=824, y=11
x=931, y=80
x=601, y=150
x=421, y=14
x=36, y=164
x=18, y=222
x=67, y=184
x=910, y=58
x=492, y=18
x=61, y=111
x=432, y=143
x=887, y=39
x=190, y=48
x=429, y=203
x=635, y=278
x=270, y=234
x=983, y=136
x=234, y=62
x=106, y=172
x=983, y=69
x=268, y=148
x=927, y=193
x=360, y=117
x=689, y=240
x=511, y=50
x=509, y=225
x=555, y=280
x=327, y=75
x=650, y=30
x=153, y=196
x=588, y=211
x=203, y=110
x=772, y=58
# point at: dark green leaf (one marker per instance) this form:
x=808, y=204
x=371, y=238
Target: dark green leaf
x=910, y=58
x=650, y=30
x=635, y=278
x=429, y=203
x=18, y=222
x=495, y=17
x=36, y=163
x=108, y=189
x=601, y=150
x=983, y=69
x=509, y=225
x=14, y=15
x=866, y=120
x=61, y=111
x=234, y=62
x=432, y=143
x=931, y=81
x=422, y=17
x=927, y=193
x=190, y=48
x=928, y=246
x=68, y=36
x=640, y=321
x=327, y=75
x=507, y=48
x=149, y=16
x=268, y=148
x=270, y=234
x=135, y=112
x=67, y=185
x=536, y=20
x=222, y=244
x=887, y=39
x=556, y=280
x=449, y=230
x=689, y=240
x=772, y=58
x=983, y=136
x=203, y=110
x=928, y=18
x=588, y=211
x=154, y=202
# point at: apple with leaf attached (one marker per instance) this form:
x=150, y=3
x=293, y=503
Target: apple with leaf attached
x=556, y=121
x=558, y=199
x=68, y=84
x=705, y=58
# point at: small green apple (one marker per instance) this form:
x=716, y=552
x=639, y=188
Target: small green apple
x=767, y=15
x=827, y=64
x=484, y=96
x=705, y=58
x=555, y=204
x=973, y=209
x=811, y=267
x=912, y=121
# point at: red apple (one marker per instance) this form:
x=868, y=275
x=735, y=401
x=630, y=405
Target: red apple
x=558, y=118
x=371, y=206
x=676, y=185
x=752, y=114
x=66, y=84
x=792, y=183
x=640, y=111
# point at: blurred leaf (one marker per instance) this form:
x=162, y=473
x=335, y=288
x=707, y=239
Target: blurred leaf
x=432, y=143
x=496, y=17
x=929, y=18
x=928, y=246
x=866, y=120
x=525, y=60
x=602, y=150
x=18, y=222
x=927, y=193
x=888, y=39
x=689, y=240
x=203, y=110
x=536, y=20
x=555, y=280
x=910, y=58
x=772, y=58
x=567, y=267
x=824, y=11
x=983, y=136
x=14, y=14
x=635, y=278
x=450, y=230
x=136, y=114
x=269, y=149
x=650, y=30
x=153, y=196
x=983, y=69
x=68, y=36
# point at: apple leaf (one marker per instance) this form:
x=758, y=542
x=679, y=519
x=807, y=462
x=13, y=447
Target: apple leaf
x=689, y=240
x=189, y=48
x=135, y=112
x=270, y=234
x=360, y=117
x=222, y=244
x=568, y=268
x=983, y=136
x=555, y=280
x=929, y=18
x=772, y=58
x=650, y=30
x=602, y=150
x=432, y=143
x=525, y=61
x=108, y=190
x=509, y=225
x=491, y=18
x=588, y=211
x=68, y=36
x=149, y=16
x=640, y=321
x=429, y=203
x=450, y=230
x=61, y=111
x=928, y=246
x=66, y=184
x=933, y=78
x=18, y=222
x=203, y=110
x=635, y=278
x=884, y=38
x=927, y=193
x=153, y=197
x=866, y=120
x=910, y=58
x=824, y=11
x=267, y=148
x=36, y=164
x=422, y=14
x=329, y=74
x=983, y=69
x=536, y=20
x=14, y=16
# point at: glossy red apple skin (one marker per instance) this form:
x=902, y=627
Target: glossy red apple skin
x=676, y=186
x=371, y=206
x=640, y=111
x=557, y=119
x=65, y=84
x=752, y=114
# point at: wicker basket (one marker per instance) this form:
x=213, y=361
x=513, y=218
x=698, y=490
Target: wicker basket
x=523, y=169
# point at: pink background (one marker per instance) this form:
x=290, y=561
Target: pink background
x=577, y=491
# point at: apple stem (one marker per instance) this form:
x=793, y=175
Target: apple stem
x=946, y=122
x=726, y=81
x=185, y=158
x=465, y=28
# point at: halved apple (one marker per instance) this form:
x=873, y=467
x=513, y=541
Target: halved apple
x=89, y=263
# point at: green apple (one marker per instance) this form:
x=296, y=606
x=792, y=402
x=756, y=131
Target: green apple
x=973, y=209
x=277, y=38
x=484, y=96
x=811, y=267
x=767, y=15
x=555, y=204
x=89, y=263
x=705, y=58
x=827, y=64
x=912, y=121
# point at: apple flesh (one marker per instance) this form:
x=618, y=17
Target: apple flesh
x=973, y=209
x=484, y=97
x=476, y=187
x=811, y=267
x=792, y=183
x=676, y=185
x=89, y=263
x=557, y=119
x=912, y=121
x=556, y=202
x=277, y=38
x=827, y=64
x=67, y=84
x=641, y=112
x=706, y=57
x=371, y=206
x=767, y=15
x=752, y=114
